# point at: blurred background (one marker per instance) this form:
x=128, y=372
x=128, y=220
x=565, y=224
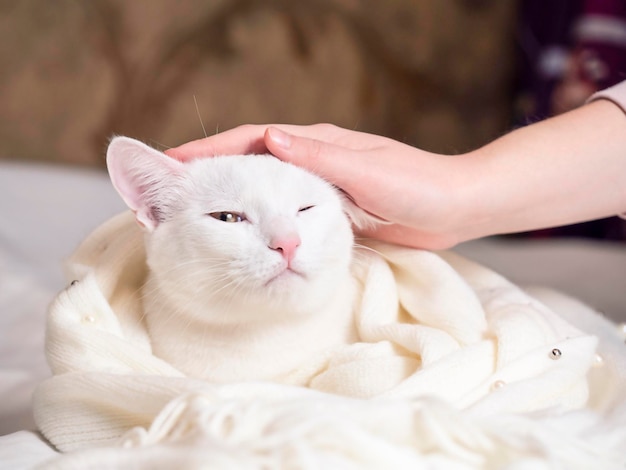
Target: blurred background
x=444, y=75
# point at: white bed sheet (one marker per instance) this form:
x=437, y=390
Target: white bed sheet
x=45, y=211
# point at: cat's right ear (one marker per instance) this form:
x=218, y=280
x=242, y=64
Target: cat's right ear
x=360, y=218
x=141, y=175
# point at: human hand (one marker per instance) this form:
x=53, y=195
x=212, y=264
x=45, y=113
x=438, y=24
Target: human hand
x=417, y=192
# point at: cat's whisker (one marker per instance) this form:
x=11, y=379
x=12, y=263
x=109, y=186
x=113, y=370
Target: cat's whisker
x=207, y=268
x=230, y=288
x=366, y=248
x=199, y=116
x=159, y=144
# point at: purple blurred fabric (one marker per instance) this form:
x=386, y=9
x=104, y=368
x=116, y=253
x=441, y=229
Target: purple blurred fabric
x=592, y=31
x=554, y=38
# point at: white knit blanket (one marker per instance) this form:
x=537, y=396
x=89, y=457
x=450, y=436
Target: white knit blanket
x=456, y=368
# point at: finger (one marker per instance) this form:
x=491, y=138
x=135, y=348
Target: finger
x=246, y=139
x=333, y=163
x=237, y=141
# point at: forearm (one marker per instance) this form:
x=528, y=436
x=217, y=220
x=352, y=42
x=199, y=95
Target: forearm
x=560, y=171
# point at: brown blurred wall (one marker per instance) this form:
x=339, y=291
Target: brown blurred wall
x=431, y=73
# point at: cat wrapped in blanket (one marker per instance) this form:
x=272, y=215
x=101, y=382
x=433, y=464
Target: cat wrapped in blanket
x=247, y=256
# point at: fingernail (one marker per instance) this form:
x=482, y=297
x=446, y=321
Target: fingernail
x=282, y=139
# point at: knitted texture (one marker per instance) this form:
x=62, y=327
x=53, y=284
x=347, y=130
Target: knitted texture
x=456, y=367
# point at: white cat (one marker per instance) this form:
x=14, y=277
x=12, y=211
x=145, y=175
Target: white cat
x=249, y=261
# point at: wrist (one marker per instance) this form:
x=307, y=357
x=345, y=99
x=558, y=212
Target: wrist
x=472, y=210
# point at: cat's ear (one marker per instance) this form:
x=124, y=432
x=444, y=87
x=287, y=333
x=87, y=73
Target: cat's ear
x=360, y=218
x=142, y=176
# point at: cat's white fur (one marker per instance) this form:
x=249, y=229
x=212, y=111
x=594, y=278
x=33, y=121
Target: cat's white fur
x=222, y=297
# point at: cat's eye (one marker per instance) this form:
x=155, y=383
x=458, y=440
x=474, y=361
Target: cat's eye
x=228, y=216
x=305, y=208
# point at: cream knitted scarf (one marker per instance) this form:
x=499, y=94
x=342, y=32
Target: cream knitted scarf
x=456, y=368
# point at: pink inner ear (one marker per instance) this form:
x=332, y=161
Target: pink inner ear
x=130, y=193
x=142, y=176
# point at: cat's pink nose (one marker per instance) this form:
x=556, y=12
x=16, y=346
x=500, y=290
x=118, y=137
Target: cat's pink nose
x=286, y=245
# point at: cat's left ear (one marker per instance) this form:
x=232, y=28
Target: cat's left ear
x=144, y=178
x=360, y=218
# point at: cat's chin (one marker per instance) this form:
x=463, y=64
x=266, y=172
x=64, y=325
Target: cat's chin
x=285, y=278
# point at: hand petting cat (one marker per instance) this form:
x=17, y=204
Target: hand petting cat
x=417, y=191
x=563, y=170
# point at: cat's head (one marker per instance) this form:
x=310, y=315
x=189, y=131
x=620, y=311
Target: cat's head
x=235, y=231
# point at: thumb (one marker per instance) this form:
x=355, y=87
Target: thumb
x=331, y=162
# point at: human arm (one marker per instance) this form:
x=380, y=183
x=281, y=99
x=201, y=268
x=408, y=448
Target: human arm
x=406, y=186
x=563, y=170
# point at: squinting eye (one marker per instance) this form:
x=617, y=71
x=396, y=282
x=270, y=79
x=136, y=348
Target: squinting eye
x=305, y=208
x=227, y=216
